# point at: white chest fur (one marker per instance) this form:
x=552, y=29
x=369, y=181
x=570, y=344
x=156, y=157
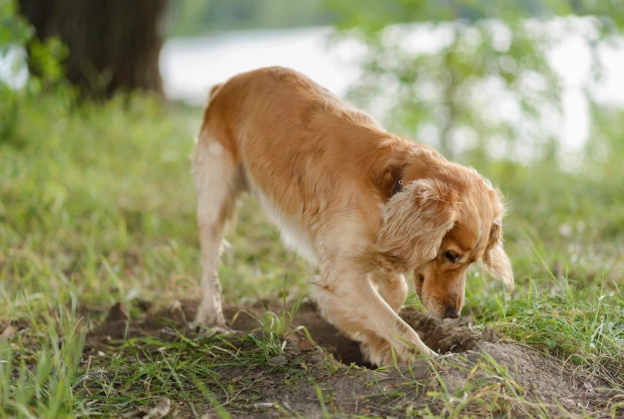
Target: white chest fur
x=292, y=233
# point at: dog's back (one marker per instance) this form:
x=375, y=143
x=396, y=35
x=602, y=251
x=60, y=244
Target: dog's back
x=283, y=109
x=318, y=148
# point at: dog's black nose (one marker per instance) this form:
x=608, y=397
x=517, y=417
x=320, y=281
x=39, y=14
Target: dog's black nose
x=450, y=313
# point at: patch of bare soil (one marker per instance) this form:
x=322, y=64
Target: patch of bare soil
x=473, y=357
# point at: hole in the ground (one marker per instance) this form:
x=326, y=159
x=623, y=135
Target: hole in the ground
x=440, y=335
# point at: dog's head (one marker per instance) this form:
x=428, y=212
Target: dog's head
x=438, y=226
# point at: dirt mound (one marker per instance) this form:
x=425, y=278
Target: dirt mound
x=443, y=336
x=489, y=376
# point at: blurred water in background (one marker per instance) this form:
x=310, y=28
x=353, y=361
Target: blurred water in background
x=13, y=67
x=190, y=66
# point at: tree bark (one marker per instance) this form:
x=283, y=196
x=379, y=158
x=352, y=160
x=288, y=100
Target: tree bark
x=113, y=44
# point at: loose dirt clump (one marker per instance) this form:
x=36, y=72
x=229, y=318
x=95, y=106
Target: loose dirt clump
x=489, y=376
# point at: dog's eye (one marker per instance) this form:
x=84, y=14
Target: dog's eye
x=452, y=257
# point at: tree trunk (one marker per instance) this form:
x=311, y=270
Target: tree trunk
x=113, y=44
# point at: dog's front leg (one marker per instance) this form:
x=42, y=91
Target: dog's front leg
x=393, y=289
x=349, y=301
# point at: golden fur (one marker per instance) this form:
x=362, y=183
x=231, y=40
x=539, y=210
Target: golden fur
x=363, y=205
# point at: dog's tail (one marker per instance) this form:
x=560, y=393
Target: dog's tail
x=214, y=90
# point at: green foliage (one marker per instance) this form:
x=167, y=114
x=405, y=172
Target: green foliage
x=197, y=16
x=14, y=30
x=374, y=15
x=191, y=17
x=38, y=372
x=60, y=178
x=472, y=74
x=45, y=65
x=45, y=58
x=99, y=200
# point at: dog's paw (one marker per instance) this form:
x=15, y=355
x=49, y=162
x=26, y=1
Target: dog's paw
x=211, y=327
x=407, y=358
x=381, y=354
x=210, y=330
x=209, y=318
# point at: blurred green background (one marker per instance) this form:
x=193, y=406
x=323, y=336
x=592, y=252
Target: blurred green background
x=100, y=101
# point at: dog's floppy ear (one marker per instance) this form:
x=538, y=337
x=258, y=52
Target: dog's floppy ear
x=415, y=222
x=495, y=260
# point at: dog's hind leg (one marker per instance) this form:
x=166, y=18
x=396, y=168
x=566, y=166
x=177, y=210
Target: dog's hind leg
x=218, y=184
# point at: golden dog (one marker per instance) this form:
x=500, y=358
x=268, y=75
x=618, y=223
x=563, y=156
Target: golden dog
x=363, y=205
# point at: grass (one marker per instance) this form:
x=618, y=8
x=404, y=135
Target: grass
x=97, y=206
